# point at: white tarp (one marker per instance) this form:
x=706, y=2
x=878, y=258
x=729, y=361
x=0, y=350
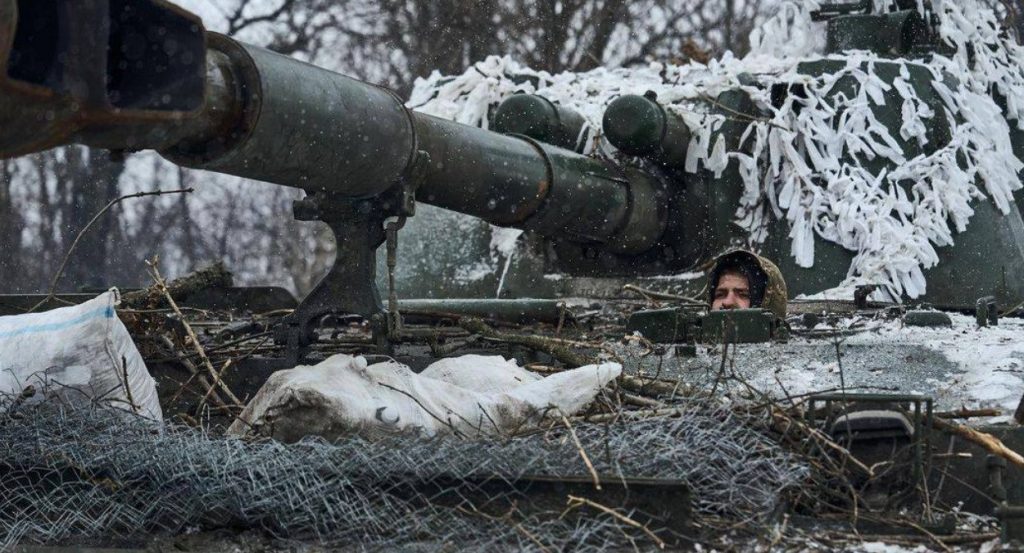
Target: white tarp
x=79, y=355
x=467, y=396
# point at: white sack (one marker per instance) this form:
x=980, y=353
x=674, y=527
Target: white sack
x=487, y=374
x=468, y=396
x=76, y=354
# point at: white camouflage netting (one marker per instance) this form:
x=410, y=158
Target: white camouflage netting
x=893, y=231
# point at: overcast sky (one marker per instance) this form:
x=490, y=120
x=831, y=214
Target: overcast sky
x=210, y=10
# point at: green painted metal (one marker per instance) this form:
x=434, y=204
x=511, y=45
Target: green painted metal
x=887, y=34
x=919, y=409
x=541, y=119
x=986, y=259
x=522, y=311
x=666, y=326
x=986, y=311
x=681, y=325
x=640, y=126
x=740, y=326
x=321, y=136
x=981, y=483
x=357, y=150
x=1011, y=522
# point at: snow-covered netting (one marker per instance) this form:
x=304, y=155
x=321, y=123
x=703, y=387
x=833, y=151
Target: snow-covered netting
x=79, y=356
x=469, y=396
x=814, y=159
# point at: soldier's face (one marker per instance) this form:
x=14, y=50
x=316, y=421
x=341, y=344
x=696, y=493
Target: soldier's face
x=732, y=292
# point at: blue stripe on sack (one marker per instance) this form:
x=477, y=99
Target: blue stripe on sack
x=103, y=312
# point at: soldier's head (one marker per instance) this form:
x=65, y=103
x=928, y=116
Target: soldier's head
x=737, y=282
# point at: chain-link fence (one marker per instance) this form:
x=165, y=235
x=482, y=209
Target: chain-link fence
x=99, y=476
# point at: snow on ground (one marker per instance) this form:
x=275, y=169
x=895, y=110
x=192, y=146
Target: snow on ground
x=880, y=547
x=960, y=366
x=792, y=169
x=692, y=275
x=991, y=361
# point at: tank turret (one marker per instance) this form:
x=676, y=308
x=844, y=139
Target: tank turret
x=144, y=74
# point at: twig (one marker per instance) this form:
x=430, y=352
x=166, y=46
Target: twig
x=651, y=294
x=561, y=319
x=575, y=501
x=639, y=401
x=508, y=520
x=127, y=387
x=988, y=442
x=189, y=420
x=721, y=368
x=162, y=286
x=932, y=537
x=193, y=373
x=745, y=116
x=781, y=417
x=779, y=532
x=637, y=415
x=424, y=407
x=215, y=276
x=655, y=387
x=67, y=256
x=583, y=452
x=964, y=413
x=555, y=347
x=220, y=375
x=28, y=392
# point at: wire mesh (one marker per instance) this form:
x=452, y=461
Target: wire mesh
x=100, y=476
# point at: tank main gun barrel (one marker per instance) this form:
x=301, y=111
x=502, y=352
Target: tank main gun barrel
x=144, y=74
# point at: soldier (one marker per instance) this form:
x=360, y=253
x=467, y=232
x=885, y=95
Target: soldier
x=741, y=279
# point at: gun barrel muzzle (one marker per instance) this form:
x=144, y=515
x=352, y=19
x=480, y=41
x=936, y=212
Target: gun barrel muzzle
x=125, y=66
x=640, y=126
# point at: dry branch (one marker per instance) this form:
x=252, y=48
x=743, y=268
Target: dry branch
x=67, y=256
x=583, y=452
x=553, y=347
x=964, y=413
x=988, y=442
x=662, y=296
x=785, y=423
x=575, y=501
x=161, y=286
x=212, y=277
x=656, y=387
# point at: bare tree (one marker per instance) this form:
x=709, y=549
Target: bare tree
x=10, y=224
x=395, y=41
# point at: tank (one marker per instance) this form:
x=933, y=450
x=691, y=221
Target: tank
x=617, y=231
x=219, y=105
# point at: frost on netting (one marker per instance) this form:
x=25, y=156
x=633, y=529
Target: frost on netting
x=809, y=159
